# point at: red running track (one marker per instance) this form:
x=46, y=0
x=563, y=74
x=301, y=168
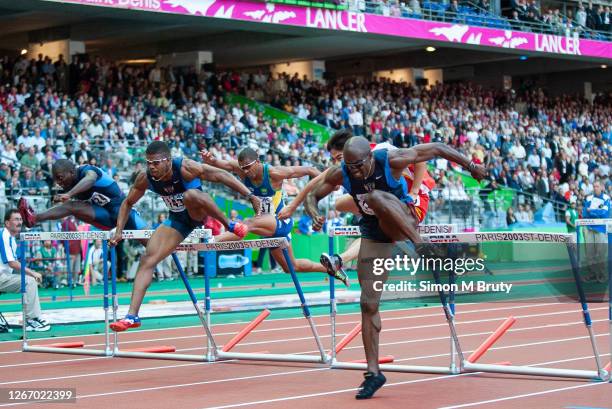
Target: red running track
x=548, y=335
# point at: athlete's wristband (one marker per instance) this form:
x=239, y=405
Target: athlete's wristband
x=471, y=166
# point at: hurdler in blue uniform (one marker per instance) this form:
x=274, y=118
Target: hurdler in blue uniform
x=177, y=181
x=380, y=179
x=375, y=181
x=90, y=195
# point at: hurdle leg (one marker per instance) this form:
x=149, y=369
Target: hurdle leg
x=172, y=356
x=451, y=300
x=571, y=248
x=450, y=318
x=609, y=366
x=194, y=300
x=68, y=269
x=305, y=308
x=115, y=298
x=107, y=349
x=22, y=262
x=332, y=305
x=210, y=349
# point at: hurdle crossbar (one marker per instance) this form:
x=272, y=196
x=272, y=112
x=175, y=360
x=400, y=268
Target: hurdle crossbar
x=103, y=235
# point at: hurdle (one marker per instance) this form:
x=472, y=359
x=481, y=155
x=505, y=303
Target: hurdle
x=599, y=374
x=608, y=231
x=216, y=353
x=384, y=361
x=164, y=353
x=65, y=237
x=283, y=244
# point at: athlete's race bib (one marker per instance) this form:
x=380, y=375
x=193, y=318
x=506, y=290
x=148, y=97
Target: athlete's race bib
x=267, y=207
x=174, y=203
x=99, y=199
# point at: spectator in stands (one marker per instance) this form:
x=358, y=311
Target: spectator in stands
x=29, y=161
x=11, y=283
x=590, y=16
x=515, y=21
x=453, y=9
x=96, y=263
x=83, y=156
x=47, y=264
x=415, y=6
x=571, y=215
x=510, y=217
x=523, y=214
x=581, y=16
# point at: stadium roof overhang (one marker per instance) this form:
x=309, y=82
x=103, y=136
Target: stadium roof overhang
x=129, y=34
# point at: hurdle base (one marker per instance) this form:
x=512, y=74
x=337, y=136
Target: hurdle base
x=444, y=370
x=529, y=370
x=271, y=357
x=161, y=355
x=67, y=351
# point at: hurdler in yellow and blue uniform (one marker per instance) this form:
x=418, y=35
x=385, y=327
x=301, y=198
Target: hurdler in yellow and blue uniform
x=265, y=182
x=272, y=202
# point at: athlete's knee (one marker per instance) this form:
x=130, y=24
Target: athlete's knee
x=369, y=306
x=192, y=196
x=148, y=261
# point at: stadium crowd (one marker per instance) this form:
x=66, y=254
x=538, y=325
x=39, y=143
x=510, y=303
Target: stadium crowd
x=98, y=112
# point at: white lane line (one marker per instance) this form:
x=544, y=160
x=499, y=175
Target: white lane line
x=55, y=339
x=526, y=395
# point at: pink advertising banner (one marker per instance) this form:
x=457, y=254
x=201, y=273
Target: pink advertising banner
x=366, y=23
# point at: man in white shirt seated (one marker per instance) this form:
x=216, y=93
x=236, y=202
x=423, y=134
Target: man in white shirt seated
x=11, y=283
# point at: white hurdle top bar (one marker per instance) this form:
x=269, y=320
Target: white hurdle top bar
x=596, y=222
x=501, y=236
x=103, y=235
x=473, y=237
x=235, y=245
x=423, y=229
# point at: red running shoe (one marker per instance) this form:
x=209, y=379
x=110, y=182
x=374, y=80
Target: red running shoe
x=130, y=321
x=239, y=229
x=27, y=213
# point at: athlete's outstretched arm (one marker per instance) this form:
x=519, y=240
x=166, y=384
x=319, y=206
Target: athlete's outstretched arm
x=88, y=181
x=333, y=178
x=228, y=165
x=137, y=191
x=399, y=159
x=288, y=210
x=420, y=169
x=290, y=172
x=192, y=170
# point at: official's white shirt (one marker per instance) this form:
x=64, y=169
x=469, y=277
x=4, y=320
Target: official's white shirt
x=8, y=251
